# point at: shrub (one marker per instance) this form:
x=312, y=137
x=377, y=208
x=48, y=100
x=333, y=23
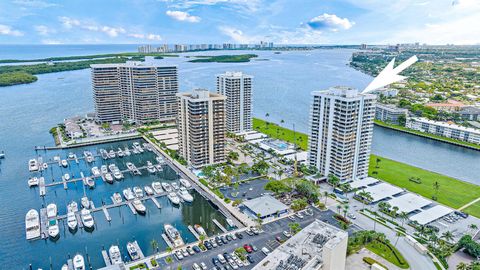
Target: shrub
x=371, y=261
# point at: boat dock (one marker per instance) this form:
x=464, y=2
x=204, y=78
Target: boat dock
x=219, y=225
x=131, y=208
x=139, y=250
x=169, y=243
x=107, y=215
x=192, y=230
x=79, y=219
x=106, y=259
x=41, y=188
x=154, y=200
x=43, y=223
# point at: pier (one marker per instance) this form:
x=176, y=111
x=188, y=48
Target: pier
x=41, y=185
x=107, y=215
x=219, y=225
x=106, y=259
x=154, y=200
x=43, y=223
x=192, y=230
x=169, y=243
x=131, y=208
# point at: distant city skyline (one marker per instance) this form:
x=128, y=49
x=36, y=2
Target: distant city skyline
x=239, y=21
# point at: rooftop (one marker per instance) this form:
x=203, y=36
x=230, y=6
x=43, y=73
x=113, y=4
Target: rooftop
x=445, y=124
x=409, y=202
x=382, y=191
x=431, y=214
x=265, y=205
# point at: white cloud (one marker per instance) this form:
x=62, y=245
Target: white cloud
x=34, y=3
x=108, y=30
x=145, y=36
x=237, y=35
x=330, y=22
x=44, y=30
x=51, y=41
x=242, y=5
x=69, y=22
x=301, y=35
x=9, y=31
x=182, y=16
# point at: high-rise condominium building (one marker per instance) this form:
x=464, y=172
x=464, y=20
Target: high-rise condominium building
x=341, y=129
x=134, y=91
x=237, y=87
x=201, y=127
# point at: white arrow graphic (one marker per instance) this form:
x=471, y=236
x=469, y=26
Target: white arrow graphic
x=389, y=74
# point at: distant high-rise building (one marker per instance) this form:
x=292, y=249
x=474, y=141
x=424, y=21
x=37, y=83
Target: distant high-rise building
x=201, y=127
x=341, y=129
x=134, y=91
x=237, y=87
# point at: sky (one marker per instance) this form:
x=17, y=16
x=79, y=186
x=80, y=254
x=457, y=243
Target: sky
x=239, y=21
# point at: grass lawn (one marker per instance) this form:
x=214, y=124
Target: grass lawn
x=473, y=209
x=452, y=192
x=275, y=131
x=383, y=251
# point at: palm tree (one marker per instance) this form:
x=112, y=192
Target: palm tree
x=266, y=120
x=333, y=180
x=436, y=187
x=434, y=239
x=403, y=217
x=201, y=237
x=280, y=173
x=448, y=236
x=339, y=207
x=345, y=210
x=154, y=245
x=394, y=212
x=473, y=227
x=325, y=194
x=398, y=234
x=462, y=266
x=376, y=162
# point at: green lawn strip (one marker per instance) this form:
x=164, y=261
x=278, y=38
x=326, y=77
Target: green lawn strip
x=388, y=251
x=428, y=135
x=85, y=57
x=452, y=192
x=473, y=209
x=239, y=58
x=284, y=134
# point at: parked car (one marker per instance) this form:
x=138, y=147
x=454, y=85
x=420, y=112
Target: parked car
x=239, y=235
x=291, y=217
x=229, y=237
x=250, y=259
x=208, y=245
x=224, y=239
x=265, y=251
x=299, y=215
x=233, y=236
x=203, y=265
x=352, y=216
x=195, y=266
x=278, y=238
x=249, y=232
x=179, y=255
x=190, y=250
x=287, y=234
x=254, y=248
x=255, y=231
x=185, y=253
x=248, y=248
x=221, y=259
x=215, y=261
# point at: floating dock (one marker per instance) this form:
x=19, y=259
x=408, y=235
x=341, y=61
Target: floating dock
x=169, y=243
x=41, y=185
x=106, y=259
x=107, y=215
x=43, y=223
x=219, y=225
x=131, y=208
x=154, y=200
x=192, y=230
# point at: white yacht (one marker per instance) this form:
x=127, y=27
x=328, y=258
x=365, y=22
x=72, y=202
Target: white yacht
x=45, y=166
x=118, y=175
x=127, y=151
x=87, y=219
x=160, y=160
x=147, y=147
x=120, y=153
x=88, y=156
x=130, y=166
x=33, y=182
x=148, y=190
x=138, y=192
x=132, y=251
x=72, y=221
x=114, y=254
x=90, y=182
x=72, y=207
x=95, y=172
x=175, y=185
x=139, y=207
x=157, y=187
x=64, y=163
x=53, y=229
x=32, y=224
x=85, y=202
x=51, y=210
x=66, y=176
x=159, y=168
x=167, y=187
x=104, y=169
x=128, y=194
x=112, y=167
x=199, y=229
x=172, y=196
x=78, y=262
x=150, y=167
x=104, y=154
x=183, y=193
x=108, y=178
x=185, y=183
x=117, y=198
x=71, y=155
x=33, y=165
x=111, y=154
x=173, y=235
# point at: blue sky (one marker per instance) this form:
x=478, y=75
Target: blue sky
x=239, y=21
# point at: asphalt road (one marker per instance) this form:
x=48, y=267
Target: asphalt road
x=265, y=239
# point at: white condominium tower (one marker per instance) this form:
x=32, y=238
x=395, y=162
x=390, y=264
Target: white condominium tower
x=237, y=87
x=201, y=127
x=341, y=129
x=134, y=91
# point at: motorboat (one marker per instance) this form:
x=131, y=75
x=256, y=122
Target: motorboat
x=111, y=154
x=132, y=251
x=95, y=172
x=2, y=154
x=135, y=151
x=72, y=221
x=172, y=196
x=173, y=235
x=88, y=156
x=148, y=147
x=72, y=207
x=127, y=151
x=183, y=193
x=185, y=183
x=139, y=207
x=108, y=178
x=45, y=166
x=104, y=154
x=64, y=163
x=157, y=187
x=118, y=175
x=148, y=190
x=32, y=224
x=71, y=155
x=53, y=229
x=112, y=167
x=33, y=165
x=150, y=167
x=137, y=146
x=33, y=182
x=104, y=169
x=114, y=254
x=159, y=168
x=78, y=262
x=230, y=222
x=64, y=267
x=51, y=210
x=199, y=229
x=87, y=219
x=128, y=194
x=167, y=187
x=66, y=177
x=85, y=202
x=175, y=185
x=160, y=160
x=90, y=182
x=130, y=166
x=138, y=192
x=117, y=198
x=120, y=153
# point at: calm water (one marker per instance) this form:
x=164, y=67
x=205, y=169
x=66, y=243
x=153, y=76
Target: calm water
x=282, y=89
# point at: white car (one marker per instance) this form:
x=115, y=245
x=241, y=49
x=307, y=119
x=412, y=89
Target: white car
x=204, y=266
x=287, y=234
x=300, y=216
x=179, y=255
x=265, y=251
x=221, y=259
x=195, y=266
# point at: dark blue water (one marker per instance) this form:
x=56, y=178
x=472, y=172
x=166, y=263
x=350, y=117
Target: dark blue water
x=282, y=87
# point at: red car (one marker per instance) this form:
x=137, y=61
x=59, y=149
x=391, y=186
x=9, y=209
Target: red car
x=248, y=248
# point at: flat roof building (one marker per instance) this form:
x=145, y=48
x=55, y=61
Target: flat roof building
x=201, y=127
x=317, y=246
x=341, y=130
x=389, y=113
x=444, y=129
x=265, y=207
x=237, y=87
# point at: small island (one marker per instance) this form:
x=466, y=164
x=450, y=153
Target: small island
x=239, y=58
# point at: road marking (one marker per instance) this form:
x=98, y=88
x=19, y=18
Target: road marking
x=468, y=204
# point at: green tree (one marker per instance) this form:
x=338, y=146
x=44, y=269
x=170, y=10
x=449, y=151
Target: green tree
x=447, y=236
x=333, y=180
x=308, y=190
x=294, y=227
x=299, y=204
x=398, y=234
x=233, y=155
x=436, y=187
x=277, y=187
x=154, y=245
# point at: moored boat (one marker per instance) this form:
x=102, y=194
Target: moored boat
x=185, y=183
x=108, y=178
x=53, y=229
x=64, y=163
x=111, y=154
x=33, y=182
x=104, y=169
x=120, y=153
x=66, y=177
x=72, y=207
x=85, y=202
x=33, y=165
x=71, y=155
x=150, y=167
x=148, y=190
x=183, y=193
x=138, y=192
x=157, y=187
x=199, y=229
x=51, y=210
x=90, y=182
x=78, y=262
x=128, y=194
x=87, y=219
x=172, y=196
x=32, y=224
x=127, y=151
x=132, y=251
x=72, y=221
x=45, y=166
x=114, y=254
x=118, y=175
x=167, y=187
x=117, y=198
x=175, y=185
x=173, y=235
x=139, y=207
x=95, y=171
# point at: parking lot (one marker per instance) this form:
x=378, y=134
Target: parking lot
x=246, y=191
x=266, y=238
